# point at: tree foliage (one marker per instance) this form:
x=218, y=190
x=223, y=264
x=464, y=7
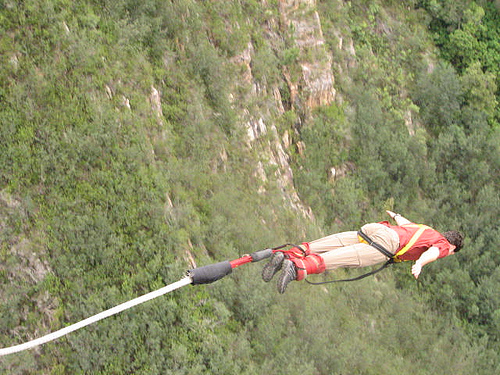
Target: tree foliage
x=105, y=196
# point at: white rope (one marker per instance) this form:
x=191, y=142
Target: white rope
x=105, y=314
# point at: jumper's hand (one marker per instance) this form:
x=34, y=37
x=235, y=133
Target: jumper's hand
x=391, y=214
x=416, y=269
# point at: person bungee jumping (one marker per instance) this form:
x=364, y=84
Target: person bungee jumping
x=374, y=243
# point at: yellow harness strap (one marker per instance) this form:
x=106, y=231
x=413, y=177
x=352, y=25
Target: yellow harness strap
x=412, y=241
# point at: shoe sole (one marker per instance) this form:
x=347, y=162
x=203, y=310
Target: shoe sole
x=286, y=276
x=271, y=268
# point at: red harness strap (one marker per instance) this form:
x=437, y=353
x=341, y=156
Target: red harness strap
x=309, y=265
x=306, y=263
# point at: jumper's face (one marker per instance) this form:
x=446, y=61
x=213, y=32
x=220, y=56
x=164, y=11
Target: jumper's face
x=452, y=250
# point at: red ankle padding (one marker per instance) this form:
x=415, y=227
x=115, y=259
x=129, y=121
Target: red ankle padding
x=311, y=264
x=296, y=252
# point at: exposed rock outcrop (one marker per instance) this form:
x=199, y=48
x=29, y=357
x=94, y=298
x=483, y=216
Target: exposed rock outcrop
x=299, y=23
x=274, y=154
x=24, y=268
x=316, y=84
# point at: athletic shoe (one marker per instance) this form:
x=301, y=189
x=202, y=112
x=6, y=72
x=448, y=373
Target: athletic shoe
x=288, y=274
x=273, y=266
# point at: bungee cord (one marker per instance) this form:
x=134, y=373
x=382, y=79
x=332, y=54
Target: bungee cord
x=201, y=275
x=95, y=318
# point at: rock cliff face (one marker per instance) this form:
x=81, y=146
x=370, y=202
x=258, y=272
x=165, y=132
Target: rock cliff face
x=315, y=86
x=311, y=87
x=23, y=267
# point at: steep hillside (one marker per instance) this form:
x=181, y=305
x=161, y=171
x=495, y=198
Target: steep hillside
x=141, y=139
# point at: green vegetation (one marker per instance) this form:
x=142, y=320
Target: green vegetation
x=105, y=196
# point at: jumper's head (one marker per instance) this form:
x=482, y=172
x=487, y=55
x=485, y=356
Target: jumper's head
x=455, y=238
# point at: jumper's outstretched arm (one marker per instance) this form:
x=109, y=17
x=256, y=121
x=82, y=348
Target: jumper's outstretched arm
x=400, y=220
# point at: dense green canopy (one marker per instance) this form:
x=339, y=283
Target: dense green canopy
x=106, y=193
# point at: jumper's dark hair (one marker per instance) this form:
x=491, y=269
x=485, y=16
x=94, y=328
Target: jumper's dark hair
x=455, y=238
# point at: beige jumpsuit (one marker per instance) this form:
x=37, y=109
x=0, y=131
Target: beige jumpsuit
x=344, y=250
